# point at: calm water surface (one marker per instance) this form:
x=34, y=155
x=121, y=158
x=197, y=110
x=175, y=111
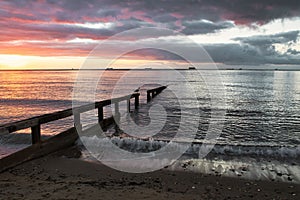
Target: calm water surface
x=260, y=106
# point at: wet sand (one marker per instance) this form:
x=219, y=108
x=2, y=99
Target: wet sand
x=63, y=176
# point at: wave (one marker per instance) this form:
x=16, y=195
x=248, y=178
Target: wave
x=231, y=150
x=225, y=151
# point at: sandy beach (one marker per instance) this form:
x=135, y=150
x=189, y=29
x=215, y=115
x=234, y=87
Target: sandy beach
x=63, y=176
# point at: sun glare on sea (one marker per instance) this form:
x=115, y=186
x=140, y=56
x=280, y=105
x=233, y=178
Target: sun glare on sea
x=13, y=61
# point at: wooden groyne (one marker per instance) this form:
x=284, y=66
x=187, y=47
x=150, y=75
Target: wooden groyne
x=67, y=138
x=153, y=92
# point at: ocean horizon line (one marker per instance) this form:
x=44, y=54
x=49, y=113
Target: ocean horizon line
x=162, y=69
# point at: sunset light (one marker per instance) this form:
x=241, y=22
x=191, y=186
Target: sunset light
x=230, y=35
x=14, y=61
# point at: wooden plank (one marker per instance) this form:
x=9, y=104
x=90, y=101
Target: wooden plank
x=154, y=92
x=103, y=103
x=55, y=116
x=104, y=124
x=23, y=124
x=62, y=140
x=57, y=142
x=161, y=88
x=34, y=121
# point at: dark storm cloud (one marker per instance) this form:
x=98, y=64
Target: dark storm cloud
x=164, y=18
x=186, y=16
x=265, y=46
x=232, y=53
x=202, y=27
x=244, y=54
x=293, y=52
x=56, y=20
x=241, y=11
x=262, y=40
x=168, y=12
x=221, y=53
x=258, y=50
x=50, y=31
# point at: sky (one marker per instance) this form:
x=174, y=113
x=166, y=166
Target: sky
x=61, y=34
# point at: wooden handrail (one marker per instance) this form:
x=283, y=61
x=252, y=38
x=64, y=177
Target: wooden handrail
x=66, y=138
x=35, y=122
x=153, y=92
x=161, y=88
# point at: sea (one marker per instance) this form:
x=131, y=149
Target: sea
x=258, y=136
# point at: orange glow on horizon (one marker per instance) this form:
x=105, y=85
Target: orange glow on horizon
x=17, y=62
x=13, y=61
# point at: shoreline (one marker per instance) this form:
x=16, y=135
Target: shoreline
x=62, y=175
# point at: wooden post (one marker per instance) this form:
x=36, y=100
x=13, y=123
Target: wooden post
x=128, y=105
x=136, y=101
x=117, y=108
x=148, y=96
x=117, y=113
x=100, y=114
x=77, y=123
x=36, y=134
x=117, y=119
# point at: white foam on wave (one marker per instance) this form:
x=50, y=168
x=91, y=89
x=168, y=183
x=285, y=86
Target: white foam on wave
x=237, y=166
x=264, y=151
x=129, y=144
x=138, y=145
x=243, y=168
